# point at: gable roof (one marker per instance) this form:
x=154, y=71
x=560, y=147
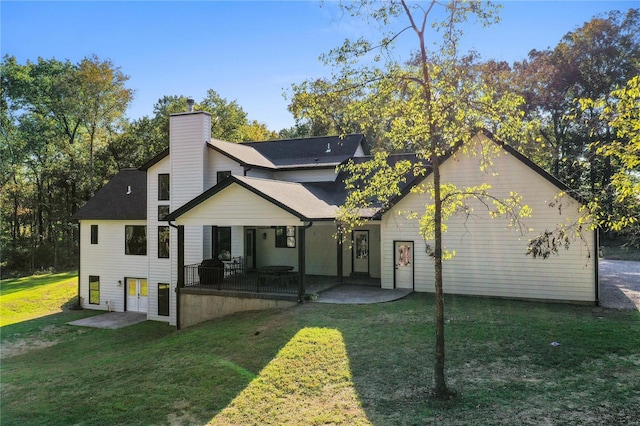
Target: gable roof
x=511, y=150
x=307, y=201
x=124, y=197
x=301, y=200
x=155, y=160
x=319, y=151
x=290, y=154
x=241, y=153
x=286, y=154
x=533, y=166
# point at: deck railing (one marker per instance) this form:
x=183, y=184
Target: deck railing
x=233, y=276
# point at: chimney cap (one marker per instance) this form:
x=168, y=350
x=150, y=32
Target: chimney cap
x=190, y=103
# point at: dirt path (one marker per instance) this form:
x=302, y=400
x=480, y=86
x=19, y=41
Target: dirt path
x=620, y=284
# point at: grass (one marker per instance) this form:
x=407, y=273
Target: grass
x=31, y=297
x=333, y=364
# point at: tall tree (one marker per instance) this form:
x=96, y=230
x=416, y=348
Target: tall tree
x=55, y=112
x=621, y=111
x=589, y=62
x=106, y=99
x=430, y=102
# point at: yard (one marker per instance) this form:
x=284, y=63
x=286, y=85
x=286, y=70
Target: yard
x=330, y=364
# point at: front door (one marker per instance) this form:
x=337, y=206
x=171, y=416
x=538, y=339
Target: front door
x=403, y=264
x=250, y=249
x=360, y=251
x=137, y=294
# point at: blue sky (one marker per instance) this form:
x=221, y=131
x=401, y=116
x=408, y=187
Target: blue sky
x=250, y=52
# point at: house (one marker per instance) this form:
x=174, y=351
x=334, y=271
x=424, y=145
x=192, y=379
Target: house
x=264, y=213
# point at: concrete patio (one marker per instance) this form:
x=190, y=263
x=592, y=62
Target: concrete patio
x=111, y=320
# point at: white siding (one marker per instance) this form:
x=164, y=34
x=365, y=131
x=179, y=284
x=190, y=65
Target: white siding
x=490, y=259
x=313, y=175
x=189, y=134
x=260, y=173
x=236, y=206
x=159, y=269
x=269, y=254
x=220, y=163
x=322, y=249
x=108, y=261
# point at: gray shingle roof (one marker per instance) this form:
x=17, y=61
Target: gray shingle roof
x=310, y=152
x=320, y=151
x=124, y=197
x=242, y=153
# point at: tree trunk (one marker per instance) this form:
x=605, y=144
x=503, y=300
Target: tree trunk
x=441, y=391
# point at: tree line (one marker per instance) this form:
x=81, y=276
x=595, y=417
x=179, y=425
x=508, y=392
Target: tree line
x=578, y=102
x=65, y=133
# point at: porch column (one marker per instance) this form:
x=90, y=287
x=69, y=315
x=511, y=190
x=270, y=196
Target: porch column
x=339, y=248
x=180, y=256
x=180, y=272
x=302, y=265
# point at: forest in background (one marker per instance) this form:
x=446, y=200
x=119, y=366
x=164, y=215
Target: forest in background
x=64, y=132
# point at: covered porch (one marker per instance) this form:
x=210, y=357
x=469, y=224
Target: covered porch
x=240, y=239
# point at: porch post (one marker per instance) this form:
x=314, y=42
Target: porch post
x=180, y=272
x=339, y=247
x=180, y=256
x=302, y=266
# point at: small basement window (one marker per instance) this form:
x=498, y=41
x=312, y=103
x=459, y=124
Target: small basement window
x=94, y=289
x=163, y=299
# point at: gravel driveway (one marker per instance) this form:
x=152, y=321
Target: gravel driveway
x=620, y=284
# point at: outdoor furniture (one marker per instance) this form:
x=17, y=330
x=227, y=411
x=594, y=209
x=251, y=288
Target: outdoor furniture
x=211, y=271
x=233, y=267
x=274, y=275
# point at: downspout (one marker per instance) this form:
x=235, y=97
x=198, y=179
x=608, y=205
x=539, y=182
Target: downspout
x=180, y=283
x=339, y=254
x=79, y=306
x=302, y=263
x=596, y=240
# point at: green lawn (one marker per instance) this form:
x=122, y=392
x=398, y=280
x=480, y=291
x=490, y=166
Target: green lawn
x=31, y=297
x=331, y=364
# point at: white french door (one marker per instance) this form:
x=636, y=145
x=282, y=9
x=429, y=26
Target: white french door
x=137, y=294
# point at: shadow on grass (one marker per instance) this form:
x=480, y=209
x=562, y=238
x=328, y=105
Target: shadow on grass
x=499, y=356
x=26, y=328
x=143, y=374
x=14, y=285
x=499, y=359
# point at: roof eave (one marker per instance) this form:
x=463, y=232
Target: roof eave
x=237, y=160
x=173, y=216
x=155, y=160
